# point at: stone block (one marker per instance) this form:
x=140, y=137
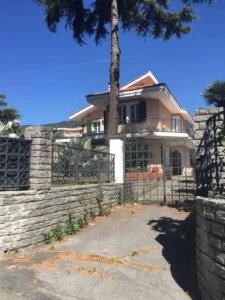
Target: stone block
x=220, y=216
x=201, y=118
x=218, y=229
x=41, y=148
x=38, y=153
x=220, y=257
x=33, y=132
x=201, y=245
x=207, y=262
x=211, y=252
x=202, y=111
x=41, y=160
x=36, y=166
x=203, y=294
x=210, y=213
x=216, y=110
x=42, y=141
x=220, y=270
x=40, y=174
x=215, y=294
x=211, y=202
x=201, y=210
x=38, y=187
x=221, y=285
x=214, y=241
x=202, y=235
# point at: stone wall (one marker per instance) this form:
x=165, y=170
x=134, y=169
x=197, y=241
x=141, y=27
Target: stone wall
x=210, y=240
x=26, y=215
x=210, y=154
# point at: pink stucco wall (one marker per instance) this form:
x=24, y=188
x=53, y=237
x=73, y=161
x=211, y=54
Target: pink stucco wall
x=158, y=118
x=95, y=115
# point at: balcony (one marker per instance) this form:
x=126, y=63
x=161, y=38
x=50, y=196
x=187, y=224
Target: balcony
x=149, y=125
x=94, y=128
x=158, y=125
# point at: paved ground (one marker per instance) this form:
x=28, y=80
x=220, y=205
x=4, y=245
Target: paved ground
x=137, y=253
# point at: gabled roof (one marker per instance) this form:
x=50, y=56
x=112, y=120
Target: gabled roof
x=79, y=114
x=145, y=79
x=131, y=91
x=144, y=82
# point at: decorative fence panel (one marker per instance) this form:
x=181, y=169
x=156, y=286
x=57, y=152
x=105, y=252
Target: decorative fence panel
x=71, y=165
x=210, y=155
x=159, y=170
x=14, y=162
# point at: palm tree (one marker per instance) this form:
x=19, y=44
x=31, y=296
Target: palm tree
x=4, y=129
x=85, y=144
x=215, y=93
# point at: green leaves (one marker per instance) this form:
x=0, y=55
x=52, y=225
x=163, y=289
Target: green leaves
x=144, y=17
x=58, y=232
x=215, y=93
x=7, y=114
x=2, y=100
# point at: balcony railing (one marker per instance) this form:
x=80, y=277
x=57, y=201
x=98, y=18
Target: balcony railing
x=158, y=125
x=149, y=125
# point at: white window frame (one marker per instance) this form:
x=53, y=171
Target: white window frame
x=101, y=128
x=128, y=111
x=178, y=125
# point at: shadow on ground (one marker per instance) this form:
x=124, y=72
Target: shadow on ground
x=178, y=240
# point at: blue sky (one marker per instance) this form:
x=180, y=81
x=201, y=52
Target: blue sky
x=47, y=76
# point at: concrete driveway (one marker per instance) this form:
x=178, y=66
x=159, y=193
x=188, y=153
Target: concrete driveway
x=137, y=253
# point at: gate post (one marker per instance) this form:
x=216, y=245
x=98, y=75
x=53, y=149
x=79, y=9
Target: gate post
x=41, y=157
x=164, y=173
x=116, y=147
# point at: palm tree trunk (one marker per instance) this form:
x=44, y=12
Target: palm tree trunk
x=114, y=71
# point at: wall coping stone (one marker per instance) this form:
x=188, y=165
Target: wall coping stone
x=81, y=187
x=210, y=201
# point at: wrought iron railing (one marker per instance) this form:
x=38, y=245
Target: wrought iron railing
x=71, y=165
x=147, y=125
x=210, y=155
x=158, y=125
x=14, y=162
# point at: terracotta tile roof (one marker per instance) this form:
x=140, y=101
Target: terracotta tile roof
x=131, y=89
x=99, y=93
x=137, y=87
x=145, y=86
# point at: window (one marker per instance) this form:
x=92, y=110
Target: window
x=129, y=113
x=98, y=126
x=177, y=124
x=122, y=112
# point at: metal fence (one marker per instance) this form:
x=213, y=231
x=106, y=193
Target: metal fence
x=71, y=165
x=14, y=162
x=210, y=155
x=159, y=170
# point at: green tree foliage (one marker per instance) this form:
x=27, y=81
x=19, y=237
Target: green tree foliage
x=143, y=17
x=215, y=93
x=85, y=143
x=4, y=129
x=7, y=113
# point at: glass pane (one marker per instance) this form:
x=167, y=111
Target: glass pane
x=124, y=115
x=137, y=113
x=119, y=115
x=132, y=114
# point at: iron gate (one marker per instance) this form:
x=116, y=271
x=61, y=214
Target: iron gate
x=159, y=170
